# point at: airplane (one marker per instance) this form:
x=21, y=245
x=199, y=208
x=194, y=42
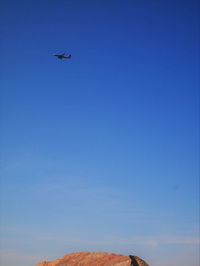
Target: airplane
x=61, y=56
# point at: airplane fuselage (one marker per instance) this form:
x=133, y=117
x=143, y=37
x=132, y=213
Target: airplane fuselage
x=61, y=56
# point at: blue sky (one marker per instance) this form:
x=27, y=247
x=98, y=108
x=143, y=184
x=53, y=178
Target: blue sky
x=99, y=152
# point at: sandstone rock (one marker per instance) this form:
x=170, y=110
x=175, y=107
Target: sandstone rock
x=95, y=259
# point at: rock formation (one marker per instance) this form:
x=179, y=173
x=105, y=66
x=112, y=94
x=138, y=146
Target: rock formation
x=95, y=259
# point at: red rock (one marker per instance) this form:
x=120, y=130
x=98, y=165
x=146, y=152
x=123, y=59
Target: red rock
x=95, y=259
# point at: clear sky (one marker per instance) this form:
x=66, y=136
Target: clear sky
x=99, y=152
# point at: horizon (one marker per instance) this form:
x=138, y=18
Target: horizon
x=100, y=152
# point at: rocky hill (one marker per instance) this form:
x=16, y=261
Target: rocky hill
x=95, y=259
